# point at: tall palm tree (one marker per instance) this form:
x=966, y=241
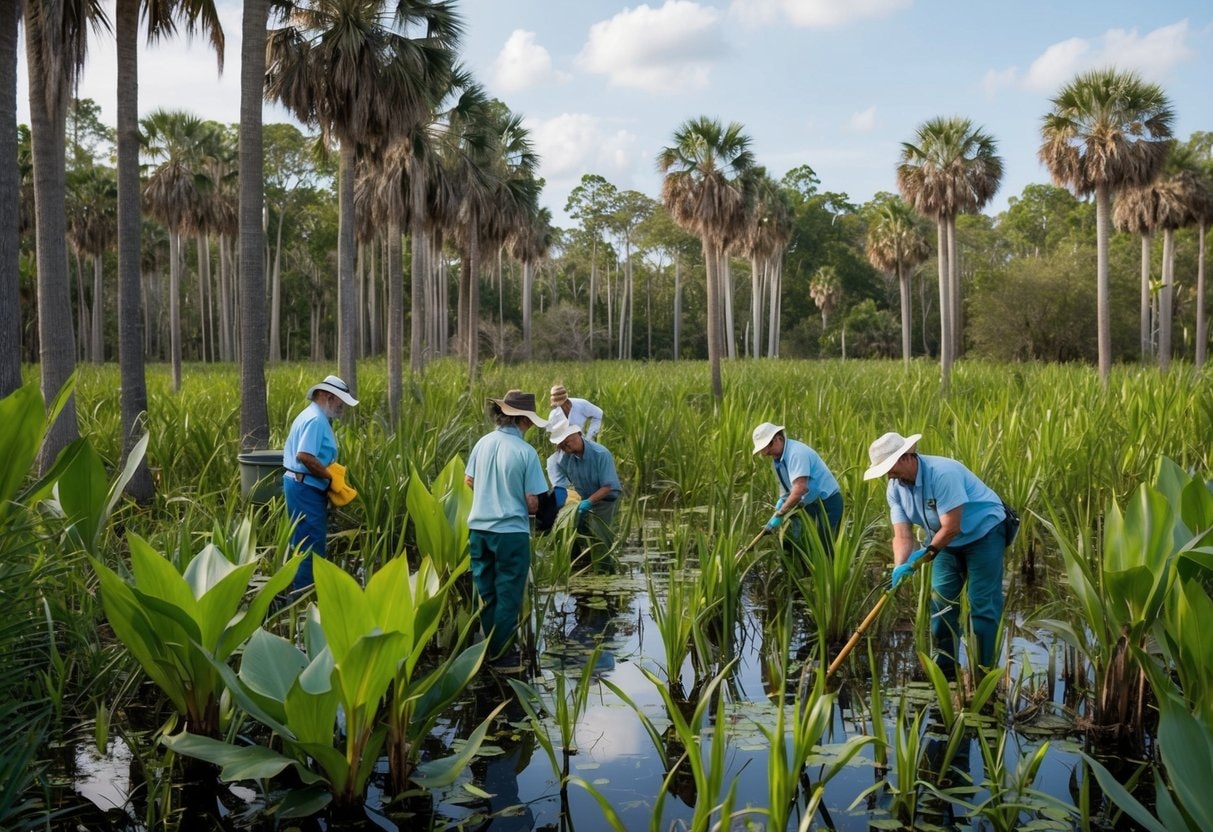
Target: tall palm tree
x=768, y=230
x=353, y=69
x=92, y=227
x=950, y=168
x=1136, y=211
x=896, y=246
x=55, y=48
x=254, y=409
x=704, y=190
x=162, y=18
x=1202, y=215
x=10, y=205
x=176, y=192
x=529, y=244
x=826, y=291
x=1108, y=130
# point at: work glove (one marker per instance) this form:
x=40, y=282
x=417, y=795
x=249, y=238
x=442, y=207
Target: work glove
x=774, y=523
x=779, y=502
x=900, y=573
x=584, y=506
x=560, y=494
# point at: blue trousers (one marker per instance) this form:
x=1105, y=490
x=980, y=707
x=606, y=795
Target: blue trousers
x=825, y=514
x=308, y=509
x=501, y=562
x=980, y=564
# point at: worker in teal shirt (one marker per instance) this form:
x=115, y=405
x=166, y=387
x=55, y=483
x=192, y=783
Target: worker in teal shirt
x=965, y=532
x=506, y=479
x=590, y=469
x=806, y=487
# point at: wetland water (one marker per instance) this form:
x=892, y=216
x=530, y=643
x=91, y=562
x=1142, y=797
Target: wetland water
x=511, y=784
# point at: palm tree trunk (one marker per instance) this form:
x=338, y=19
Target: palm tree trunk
x=527, y=277
x=1145, y=299
x=225, y=300
x=347, y=312
x=205, y=319
x=726, y=284
x=711, y=259
x=907, y=325
x=174, y=307
x=593, y=286
x=275, y=347
x=954, y=306
x=1165, y=316
x=82, y=316
x=98, y=345
x=1202, y=322
x=776, y=302
x=10, y=200
x=395, y=319
x=1103, y=315
x=421, y=308
x=945, y=324
x=677, y=307
x=49, y=91
x=756, y=298
x=473, y=299
x=254, y=410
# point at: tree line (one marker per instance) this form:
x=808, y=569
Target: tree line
x=255, y=243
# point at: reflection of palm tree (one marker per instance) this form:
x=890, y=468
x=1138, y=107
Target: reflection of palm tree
x=1107, y=130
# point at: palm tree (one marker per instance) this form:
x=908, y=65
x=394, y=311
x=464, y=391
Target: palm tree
x=176, y=191
x=55, y=48
x=162, y=18
x=1136, y=211
x=950, y=168
x=704, y=191
x=351, y=68
x=826, y=291
x=1202, y=211
x=896, y=246
x=529, y=244
x=1108, y=130
x=92, y=227
x=768, y=230
x=10, y=206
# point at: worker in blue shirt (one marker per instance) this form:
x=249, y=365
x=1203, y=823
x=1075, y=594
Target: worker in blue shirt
x=807, y=488
x=965, y=532
x=590, y=469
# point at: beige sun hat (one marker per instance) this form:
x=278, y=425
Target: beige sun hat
x=337, y=387
x=885, y=452
x=517, y=403
x=764, y=433
x=562, y=429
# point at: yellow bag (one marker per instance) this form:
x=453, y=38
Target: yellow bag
x=339, y=492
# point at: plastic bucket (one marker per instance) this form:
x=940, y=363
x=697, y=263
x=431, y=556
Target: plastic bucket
x=260, y=475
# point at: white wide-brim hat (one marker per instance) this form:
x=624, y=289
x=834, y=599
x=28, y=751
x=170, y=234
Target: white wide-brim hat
x=885, y=452
x=764, y=433
x=562, y=429
x=337, y=387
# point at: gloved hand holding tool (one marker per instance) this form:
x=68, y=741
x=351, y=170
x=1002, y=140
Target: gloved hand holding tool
x=584, y=506
x=901, y=572
x=774, y=523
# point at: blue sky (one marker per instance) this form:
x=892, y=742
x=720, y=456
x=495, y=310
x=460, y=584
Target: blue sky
x=834, y=84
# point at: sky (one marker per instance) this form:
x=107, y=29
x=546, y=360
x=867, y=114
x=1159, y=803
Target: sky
x=834, y=84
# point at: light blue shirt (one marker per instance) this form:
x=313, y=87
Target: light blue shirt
x=311, y=433
x=557, y=479
x=942, y=485
x=582, y=413
x=799, y=460
x=504, y=469
x=590, y=471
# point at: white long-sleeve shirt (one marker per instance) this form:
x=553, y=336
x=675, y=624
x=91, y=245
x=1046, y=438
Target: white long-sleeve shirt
x=583, y=414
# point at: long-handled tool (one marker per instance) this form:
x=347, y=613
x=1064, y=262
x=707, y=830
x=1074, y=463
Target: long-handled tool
x=745, y=551
x=867, y=621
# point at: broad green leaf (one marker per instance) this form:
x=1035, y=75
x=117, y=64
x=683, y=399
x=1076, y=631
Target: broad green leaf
x=155, y=576
x=344, y=613
x=206, y=569
x=451, y=677
x=1121, y=797
x=24, y=421
x=82, y=490
x=437, y=774
x=244, y=762
x=218, y=608
x=390, y=599
x=254, y=615
x=270, y=665
x=1186, y=744
x=367, y=670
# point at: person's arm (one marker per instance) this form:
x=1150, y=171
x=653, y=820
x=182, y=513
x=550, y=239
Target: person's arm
x=313, y=466
x=593, y=420
x=468, y=481
x=532, y=503
x=602, y=493
x=949, y=527
x=903, y=542
x=800, y=487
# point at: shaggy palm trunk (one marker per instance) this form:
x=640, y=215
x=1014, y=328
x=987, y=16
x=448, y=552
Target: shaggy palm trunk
x=473, y=300
x=726, y=285
x=677, y=307
x=776, y=303
x=395, y=319
x=133, y=329
x=254, y=410
x=10, y=201
x=711, y=259
x=1145, y=299
x=347, y=312
x=174, y=307
x=528, y=275
x=418, y=317
x=1165, y=300
x=98, y=345
x=1103, y=315
x=945, y=323
x=49, y=90
x=1202, y=322
x=903, y=286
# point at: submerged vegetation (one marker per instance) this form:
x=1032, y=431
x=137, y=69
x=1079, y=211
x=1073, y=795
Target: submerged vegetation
x=154, y=627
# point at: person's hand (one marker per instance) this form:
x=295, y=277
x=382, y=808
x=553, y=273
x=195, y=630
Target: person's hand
x=584, y=506
x=774, y=523
x=900, y=573
x=779, y=502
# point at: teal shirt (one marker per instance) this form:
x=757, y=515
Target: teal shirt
x=590, y=471
x=504, y=469
x=311, y=433
x=799, y=460
x=942, y=485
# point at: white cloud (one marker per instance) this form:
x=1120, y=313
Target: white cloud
x=522, y=63
x=575, y=143
x=1153, y=55
x=864, y=122
x=660, y=50
x=814, y=14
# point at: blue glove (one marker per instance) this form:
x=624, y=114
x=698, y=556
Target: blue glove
x=584, y=506
x=779, y=502
x=774, y=523
x=561, y=494
x=900, y=573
